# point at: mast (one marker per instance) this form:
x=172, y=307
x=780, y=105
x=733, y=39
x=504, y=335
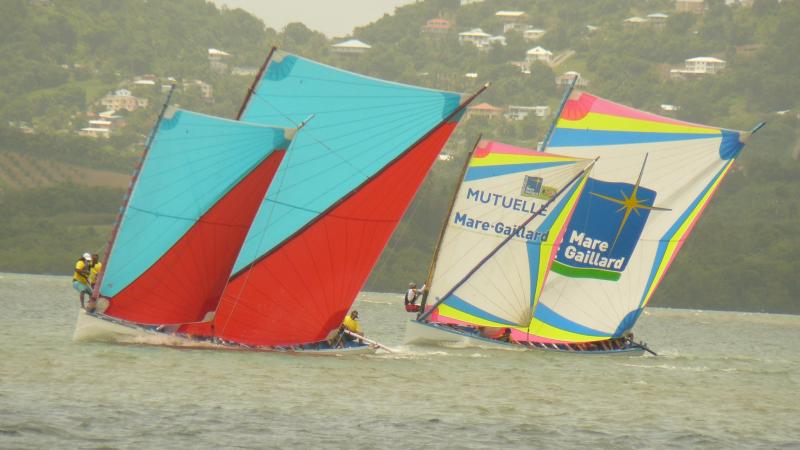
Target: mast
x=483, y=261
x=128, y=194
x=255, y=82
x=429, y=280
x=549, y=134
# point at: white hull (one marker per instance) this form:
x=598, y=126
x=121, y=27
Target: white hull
x=99, y=328
x=420, y=333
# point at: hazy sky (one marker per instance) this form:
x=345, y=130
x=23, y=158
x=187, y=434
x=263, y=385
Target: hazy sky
x=332, y=17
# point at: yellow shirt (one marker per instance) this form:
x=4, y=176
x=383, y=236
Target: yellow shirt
x=80, y=266
x=352, y=324
x=94, y=271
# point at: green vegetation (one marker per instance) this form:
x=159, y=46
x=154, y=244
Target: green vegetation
x=59, y=59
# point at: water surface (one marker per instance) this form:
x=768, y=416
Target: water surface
x=723, y=380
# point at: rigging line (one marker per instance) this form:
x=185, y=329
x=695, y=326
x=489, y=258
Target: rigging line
x=441, y=300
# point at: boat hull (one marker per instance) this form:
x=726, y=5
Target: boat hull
x=425, y=333
x=101, y=328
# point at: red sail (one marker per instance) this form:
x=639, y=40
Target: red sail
x=302, y=290
x=186, y=283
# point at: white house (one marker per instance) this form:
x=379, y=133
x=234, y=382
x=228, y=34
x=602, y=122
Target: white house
x=705, y=64
x=657, y=19
x=635, y=20
x=538, y=54
x=566, y=78
x=123, y=99
x=351, y=47
x=476, y=37
x=514, y=112
x=533, y=34
x=700, y=66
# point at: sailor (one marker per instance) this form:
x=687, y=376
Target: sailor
x=351, y=324
x=96, y=267
x=80, y=279
x=412, y=294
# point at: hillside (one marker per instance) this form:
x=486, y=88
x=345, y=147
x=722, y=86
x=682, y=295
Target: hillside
x=63, y=57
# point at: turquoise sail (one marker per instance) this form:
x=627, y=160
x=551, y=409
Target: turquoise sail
x=358, y=125
x=192, y=162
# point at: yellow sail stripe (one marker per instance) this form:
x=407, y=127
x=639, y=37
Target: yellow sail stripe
x=605, y=122
x=555, y=230
x=679, y=235
x=501, y=159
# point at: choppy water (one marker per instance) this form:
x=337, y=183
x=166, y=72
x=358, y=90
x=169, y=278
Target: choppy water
x=725, y=380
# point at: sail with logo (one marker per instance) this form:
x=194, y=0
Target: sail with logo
x=509, y=214
x=653, y=178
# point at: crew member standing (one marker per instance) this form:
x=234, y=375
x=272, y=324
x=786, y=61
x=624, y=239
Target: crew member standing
x=412, y=294
x=80, y=279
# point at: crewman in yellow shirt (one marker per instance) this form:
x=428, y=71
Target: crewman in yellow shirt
x=80, y=279
x=96, y=267
x=350, y=323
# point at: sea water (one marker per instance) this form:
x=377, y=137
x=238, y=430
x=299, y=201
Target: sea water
x=722, y=380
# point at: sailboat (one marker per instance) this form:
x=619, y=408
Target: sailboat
x=651, y=181
x=343, y=185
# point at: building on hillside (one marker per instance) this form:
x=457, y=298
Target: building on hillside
x=95, y=132
x=206, y=90
x=123, y=99
x=533, y=34
x=511, y=16
x=694, y=6
x=669, y=109
x=469, y=2
x=515, y=112
x=350, y=47
x=700, y=66
x=538, y=54
x=150, y=83
x=216, y=59
x=476, y=37
x=437, y=26
x=657, y=20
x=565, y=79
x=635, y=21
x=591, y=29
x=484, y=110
x=247, y=71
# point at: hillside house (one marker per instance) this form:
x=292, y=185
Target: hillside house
x=538, y=54
x=515, y=112
x=476, y=37
x=123, y=99
x=635, y=21
x=565, y=79
x=533, y=34
x=469, y=2
x=437, y=26
x=657, y=20
x=484, y=110
x=700, y=66
x=216, y=59
x=206, y=90
x=351, y=47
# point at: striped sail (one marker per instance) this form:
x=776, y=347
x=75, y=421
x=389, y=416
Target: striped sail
x=497, y=247
x=197, y=191
x=653, y=178
x=336, y=199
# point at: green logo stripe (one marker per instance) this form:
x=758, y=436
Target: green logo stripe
x=574, y=272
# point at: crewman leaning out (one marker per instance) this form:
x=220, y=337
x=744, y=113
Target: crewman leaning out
x=82, y=275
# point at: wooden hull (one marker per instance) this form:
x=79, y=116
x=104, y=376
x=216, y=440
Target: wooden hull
x=424, y=333
x=101, y=328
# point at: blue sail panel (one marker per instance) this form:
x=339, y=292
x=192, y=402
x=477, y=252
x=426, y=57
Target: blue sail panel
x=192, y=162
x=359, y=125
